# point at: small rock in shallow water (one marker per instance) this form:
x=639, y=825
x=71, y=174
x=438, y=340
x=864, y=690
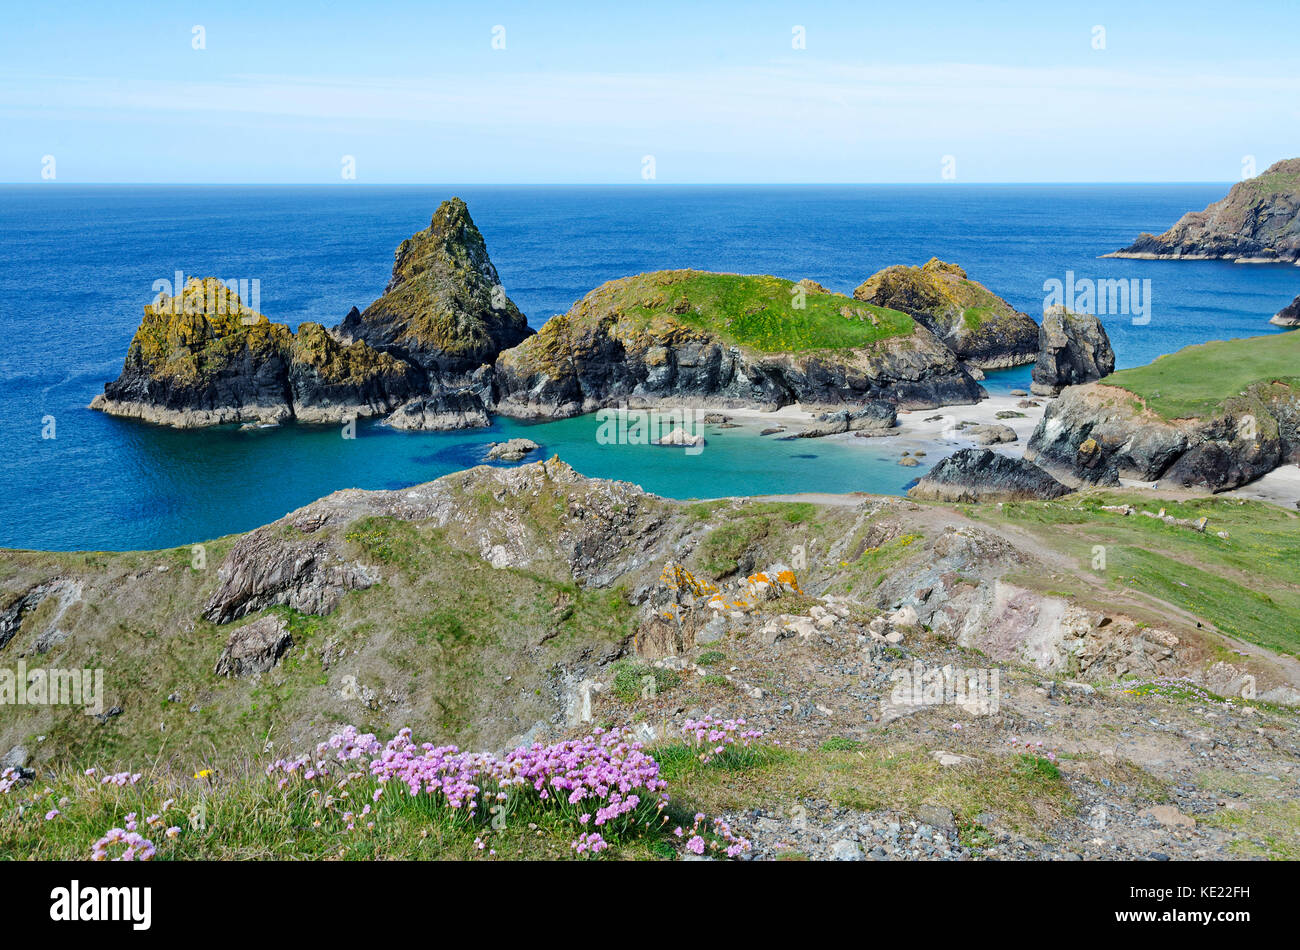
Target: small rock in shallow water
x=512, y=450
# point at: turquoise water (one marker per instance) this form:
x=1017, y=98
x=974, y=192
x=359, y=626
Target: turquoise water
x=78, y=263
x=298, y=463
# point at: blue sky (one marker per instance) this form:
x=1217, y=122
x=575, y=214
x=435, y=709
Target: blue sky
x=583, y=92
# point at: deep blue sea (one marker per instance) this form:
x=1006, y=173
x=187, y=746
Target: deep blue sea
x=77, y=264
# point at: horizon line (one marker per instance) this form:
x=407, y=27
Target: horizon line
x=595, y=184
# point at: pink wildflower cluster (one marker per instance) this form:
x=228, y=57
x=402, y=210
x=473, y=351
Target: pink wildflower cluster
x=603, y=774
x=716, y=734
x=603, y=782
x=135, y=846
x=348, y=746
x=8, y=779
x=120, y=779
x=589, y=842
x=735, y=844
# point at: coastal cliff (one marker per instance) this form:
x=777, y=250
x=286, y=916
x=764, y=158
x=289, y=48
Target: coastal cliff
x=725, y=340
x=980, y=327
x=1288, y=316
x=1214, y=416
x=1257, y=222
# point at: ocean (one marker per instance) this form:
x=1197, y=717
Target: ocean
x=77, y=264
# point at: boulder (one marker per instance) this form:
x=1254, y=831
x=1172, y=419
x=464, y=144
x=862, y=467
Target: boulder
x=982, y=475
x=1073, y=348
x=873, y=418
x=254, y=648
x=512, y=450
x=990, y=434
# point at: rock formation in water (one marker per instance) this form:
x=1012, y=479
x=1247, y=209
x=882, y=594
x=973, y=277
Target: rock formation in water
x=975, y=323
x=1288, y=316
x=1258, y=221
x=980, y=475
x=203, y=358
x=444, y=348
x=420, y=352
x=444, y=308
x=725, y=340
x=1073, y=348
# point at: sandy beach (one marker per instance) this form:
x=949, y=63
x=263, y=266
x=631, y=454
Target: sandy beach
x=935, y=432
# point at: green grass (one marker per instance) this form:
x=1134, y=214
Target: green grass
x=387, y=540
x=722, y=550
x=974, y=317
x=1268, y=830
x=1026, y=798
x=1245, y=585
x=1194, y=381
x=751, y=311
x=632, y=680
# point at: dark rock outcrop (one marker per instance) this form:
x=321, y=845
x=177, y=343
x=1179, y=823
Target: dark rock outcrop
x=203, y=358
x=457, y=404
x=254, y=648
x=1258, y=221
x=268, y=567
x=1288, y=316
x=329, y=379
x=1073, y=348
x=443, y=409
x=975, y=323
x=1096, y=434
x=444, y=308
x=979, y=475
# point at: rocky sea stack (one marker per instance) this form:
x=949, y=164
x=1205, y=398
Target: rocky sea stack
x=203, y=358
x=726, y=340
x=444, y=308
x=1257, y=222
x=975, y=323
x=420, y=353
x=982, y=475
x=1073, y=348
